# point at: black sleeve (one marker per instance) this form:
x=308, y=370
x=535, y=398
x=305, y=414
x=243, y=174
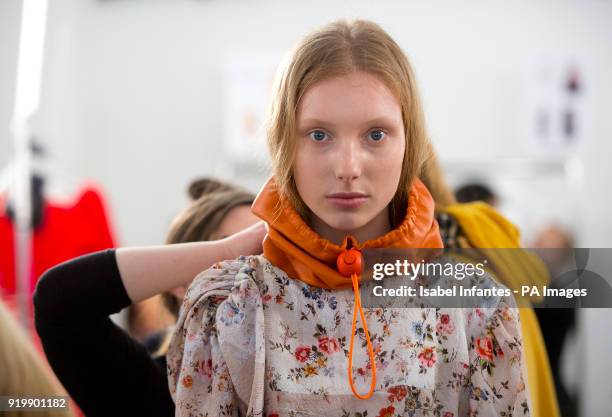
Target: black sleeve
x=105, y=371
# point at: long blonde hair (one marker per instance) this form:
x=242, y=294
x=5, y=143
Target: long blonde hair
x=337, y=49
x=433, y=178
x=23, y=373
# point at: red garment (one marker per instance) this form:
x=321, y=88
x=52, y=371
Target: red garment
x=67, y=231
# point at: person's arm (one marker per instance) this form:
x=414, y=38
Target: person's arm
x=147, y=271
x=104, y=369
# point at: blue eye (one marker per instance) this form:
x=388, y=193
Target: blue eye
x=377, y=135
x=318, y=135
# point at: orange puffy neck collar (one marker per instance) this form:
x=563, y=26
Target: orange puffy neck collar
x=294, y=247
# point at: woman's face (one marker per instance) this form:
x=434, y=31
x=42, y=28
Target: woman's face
x=237, y=219
x=351, y=145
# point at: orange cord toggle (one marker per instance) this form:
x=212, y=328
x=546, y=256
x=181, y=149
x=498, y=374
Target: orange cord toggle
x=349, y=264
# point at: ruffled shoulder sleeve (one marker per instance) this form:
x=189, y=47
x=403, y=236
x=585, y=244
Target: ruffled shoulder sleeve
x=217, y=352
x=497, y=371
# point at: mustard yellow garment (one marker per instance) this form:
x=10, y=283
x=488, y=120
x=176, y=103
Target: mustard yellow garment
x=484, y=227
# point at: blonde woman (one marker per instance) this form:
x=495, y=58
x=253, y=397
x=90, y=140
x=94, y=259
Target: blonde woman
x=276, y=334
x=23, y=373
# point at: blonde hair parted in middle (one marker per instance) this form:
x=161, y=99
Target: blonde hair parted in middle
x=337, y=49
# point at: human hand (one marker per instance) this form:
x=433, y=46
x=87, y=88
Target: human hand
x=246, y=242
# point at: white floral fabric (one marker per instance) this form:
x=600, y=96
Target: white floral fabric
x=251, y=341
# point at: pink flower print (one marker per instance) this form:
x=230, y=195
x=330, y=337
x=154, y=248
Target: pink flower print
x=397, y=393
x=445, y=324
x=302, y=353
x=427, y=357
x=328, y=345
x=386, y=411
x=188, y=381
x=205, y=368
x=484, y=347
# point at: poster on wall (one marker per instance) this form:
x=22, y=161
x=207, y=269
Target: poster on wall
x=554, y=105
x=248, y=81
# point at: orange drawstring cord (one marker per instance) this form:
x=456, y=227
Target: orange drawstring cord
x=349, y=263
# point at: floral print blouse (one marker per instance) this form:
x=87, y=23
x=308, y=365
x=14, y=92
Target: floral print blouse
x=251, y=341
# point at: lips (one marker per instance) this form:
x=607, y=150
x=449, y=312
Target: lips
x=347, y=200
x=347, y=195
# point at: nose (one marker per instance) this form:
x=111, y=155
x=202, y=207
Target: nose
x=348, y=164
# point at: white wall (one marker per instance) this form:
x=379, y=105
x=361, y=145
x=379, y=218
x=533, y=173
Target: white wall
x=133, y=96
x=10, y=13
x=133, y=90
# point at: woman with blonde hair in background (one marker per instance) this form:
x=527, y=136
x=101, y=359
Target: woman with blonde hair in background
x=217, y=210
x=23, y=374
x=105, y=370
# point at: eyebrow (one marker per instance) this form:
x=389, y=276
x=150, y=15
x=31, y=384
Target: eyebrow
x=380, y=120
